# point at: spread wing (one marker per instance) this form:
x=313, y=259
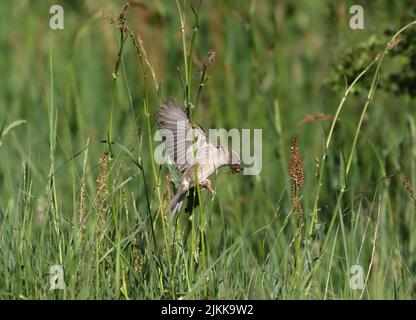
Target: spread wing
x=185, y=145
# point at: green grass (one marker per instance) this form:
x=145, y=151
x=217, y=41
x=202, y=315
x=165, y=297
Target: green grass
x=79, y=186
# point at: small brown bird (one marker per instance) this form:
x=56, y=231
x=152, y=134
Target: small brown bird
x=191, y=152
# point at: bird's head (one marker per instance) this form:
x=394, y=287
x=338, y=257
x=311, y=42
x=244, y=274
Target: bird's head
x=234, y=161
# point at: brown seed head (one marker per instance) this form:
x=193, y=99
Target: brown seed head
x=316, y=117
x=297, y=176
x=409, y=189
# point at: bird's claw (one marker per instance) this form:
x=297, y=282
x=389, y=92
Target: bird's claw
x=207, y=185
x=212, y=191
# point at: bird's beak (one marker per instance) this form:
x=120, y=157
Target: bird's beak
x=235, y=168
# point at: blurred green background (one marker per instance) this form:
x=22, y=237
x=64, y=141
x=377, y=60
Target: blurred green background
x=276, y=62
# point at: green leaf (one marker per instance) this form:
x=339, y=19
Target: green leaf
x=342, y=174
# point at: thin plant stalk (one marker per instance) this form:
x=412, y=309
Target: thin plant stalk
x=190, y=111
x=379, y=59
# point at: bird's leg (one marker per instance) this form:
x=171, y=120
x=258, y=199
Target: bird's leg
x=206, y=184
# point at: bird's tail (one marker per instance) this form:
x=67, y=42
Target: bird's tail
x=176, y=202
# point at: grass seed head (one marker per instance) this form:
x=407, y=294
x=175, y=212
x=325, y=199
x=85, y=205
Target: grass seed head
x=102, y=185
x=309, y=118
x=82, y=206
x=409, y=189
x=297, y=176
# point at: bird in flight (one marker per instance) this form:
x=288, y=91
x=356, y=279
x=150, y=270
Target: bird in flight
x=191, y=152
